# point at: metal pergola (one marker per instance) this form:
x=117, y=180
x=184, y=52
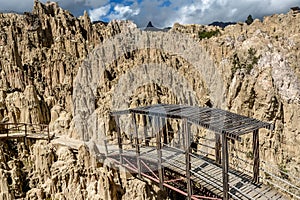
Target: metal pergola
x=226, y=125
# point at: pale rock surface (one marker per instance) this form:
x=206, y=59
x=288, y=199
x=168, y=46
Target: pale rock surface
x=59, y=172
x=42, y=55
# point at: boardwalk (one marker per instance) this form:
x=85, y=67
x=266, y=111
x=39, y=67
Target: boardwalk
x=179, y=166
x=204, y=171
x=171, y=158
x=24, y=130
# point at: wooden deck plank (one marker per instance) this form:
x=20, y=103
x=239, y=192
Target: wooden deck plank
x=209, y=175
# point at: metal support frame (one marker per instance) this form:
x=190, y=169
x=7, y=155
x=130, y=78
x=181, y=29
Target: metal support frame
x=159, y=152
x=225, y=166
x=188, y=151
x=145, y=130
x=178, y=134
x=232, y=127
x=256, y=156
x=182, y=132
x=218, y=149
x=137, y=144
x=164, y=130
x=117, y=120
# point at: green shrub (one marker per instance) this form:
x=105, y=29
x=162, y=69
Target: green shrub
x=208, y=34
x=247, y=64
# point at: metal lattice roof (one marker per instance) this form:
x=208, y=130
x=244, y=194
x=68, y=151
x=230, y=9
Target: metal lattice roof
x=217, y=120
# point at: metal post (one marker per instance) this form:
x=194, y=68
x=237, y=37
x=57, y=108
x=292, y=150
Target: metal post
x=137, y=144
x=25, y=130
x=159, y=153
x=218, y=149
x=225, y=166
x=188, y=151
x=167, y=131
x=164, y=130
x=178, y=133
x=183, y=136
x=152, y=123
x=145, y=130
x=117, y=120
x=25, y=140
x=256, y=156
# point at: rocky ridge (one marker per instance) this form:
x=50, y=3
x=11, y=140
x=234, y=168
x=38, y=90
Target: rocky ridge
x=58, y=172
x=42, y=51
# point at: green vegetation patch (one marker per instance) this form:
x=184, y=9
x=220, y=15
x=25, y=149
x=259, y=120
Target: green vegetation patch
x=246, y=64
x=208, y=34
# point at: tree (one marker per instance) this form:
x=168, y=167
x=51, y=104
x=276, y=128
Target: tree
x=249, y=20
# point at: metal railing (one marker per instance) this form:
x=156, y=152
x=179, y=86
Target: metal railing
x=14, y=130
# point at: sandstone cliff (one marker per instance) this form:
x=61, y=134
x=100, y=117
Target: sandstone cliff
x=52, y=171
x=251, y=70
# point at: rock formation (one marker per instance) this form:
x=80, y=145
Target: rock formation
x=57, y=172
x=248, y=69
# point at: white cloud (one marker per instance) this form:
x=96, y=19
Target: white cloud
x=182, y=11
x=122, y=12
x=16, y=5
x=75, y=6
x=95, y=3
x=98, y=13
x=207, y=11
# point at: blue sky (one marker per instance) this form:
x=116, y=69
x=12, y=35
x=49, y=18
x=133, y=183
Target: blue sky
x=164, y=13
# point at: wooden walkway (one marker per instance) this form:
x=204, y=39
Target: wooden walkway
x=38, y=136
x=24, y=130
x=203, y=171
x=152, y=123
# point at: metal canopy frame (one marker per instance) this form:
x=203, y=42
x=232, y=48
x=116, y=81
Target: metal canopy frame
x=226, y=125
x=217, y=120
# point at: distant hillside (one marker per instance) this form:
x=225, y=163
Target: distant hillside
x=150, y=27
x=222, y=24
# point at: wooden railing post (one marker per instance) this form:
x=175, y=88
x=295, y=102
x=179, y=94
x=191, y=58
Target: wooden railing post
x=225, y=166
x=137, y=144
x=256, y=156
x=188, y=151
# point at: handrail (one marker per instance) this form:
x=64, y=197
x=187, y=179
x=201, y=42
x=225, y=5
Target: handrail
x=269, y=169
x=281, y=171
x=10, y=128
x=22, y=123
